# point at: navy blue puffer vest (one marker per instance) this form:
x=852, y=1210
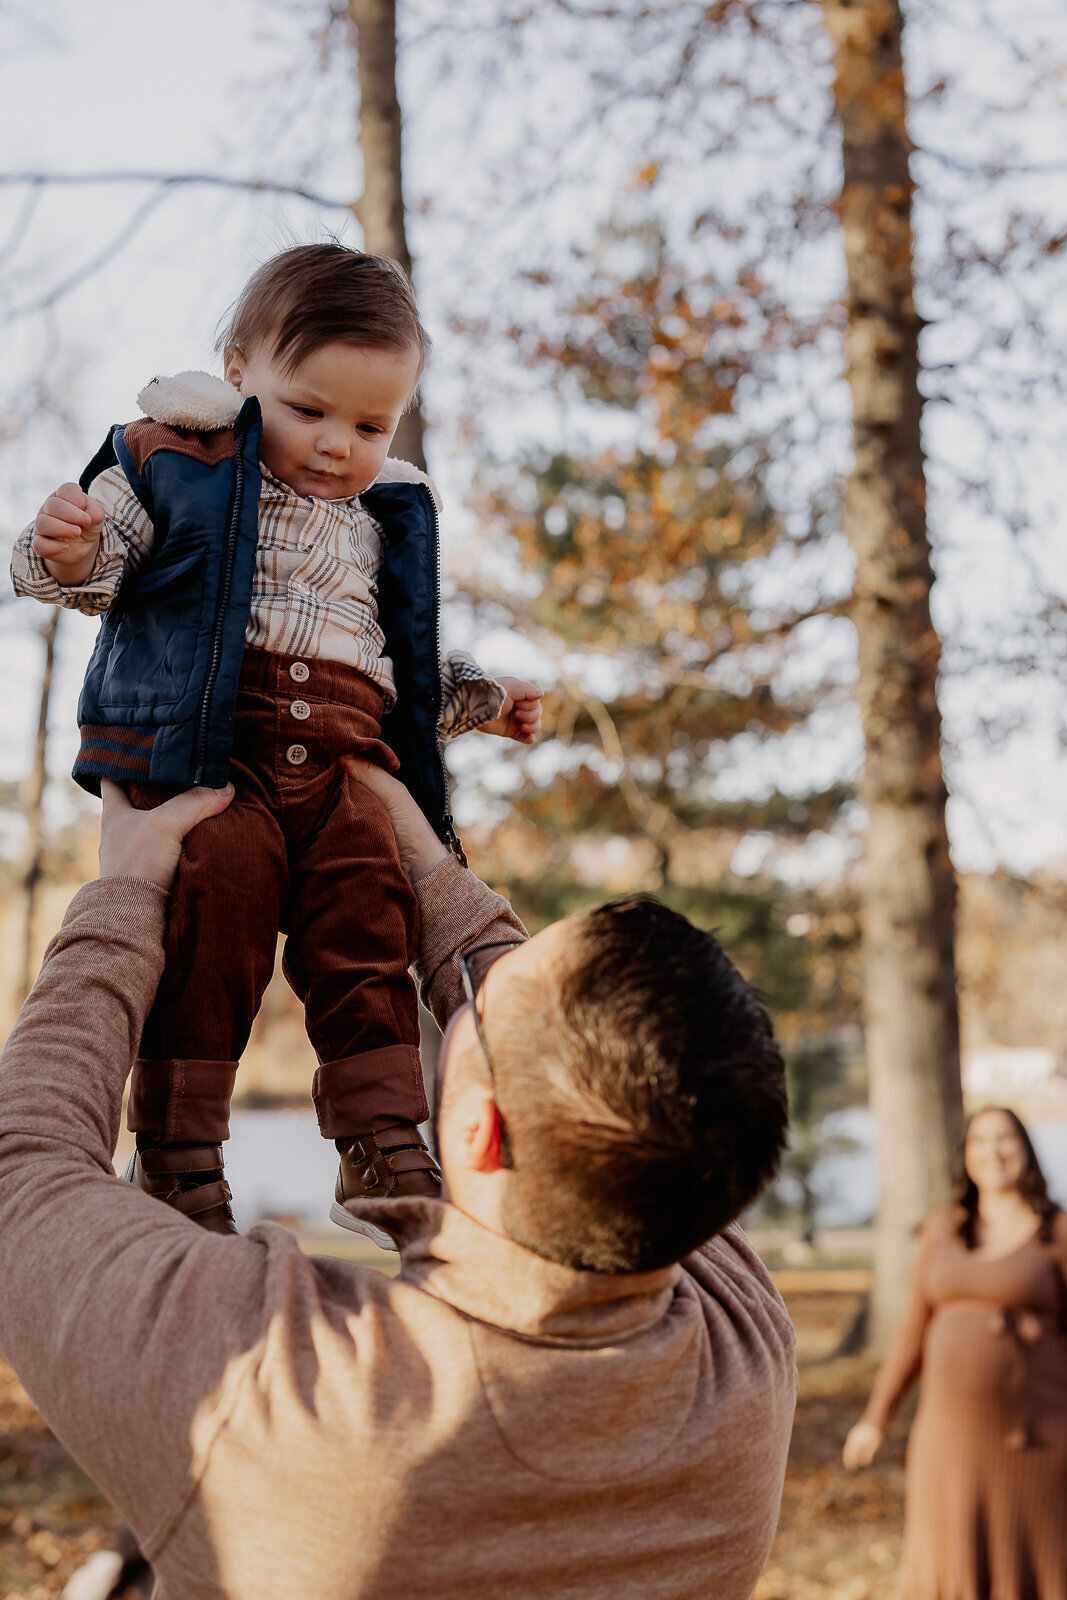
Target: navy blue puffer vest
x=161, y=688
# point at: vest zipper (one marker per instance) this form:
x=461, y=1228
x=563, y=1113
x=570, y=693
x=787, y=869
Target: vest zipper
x=451, y=837
x=221, y=605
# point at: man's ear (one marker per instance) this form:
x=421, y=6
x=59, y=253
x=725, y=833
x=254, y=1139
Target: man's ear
x=234, y=370
x=481, y=1131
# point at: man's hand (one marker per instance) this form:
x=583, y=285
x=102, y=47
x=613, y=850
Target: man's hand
x=66, y=533
x=862, y=1445
x=520, y=715
x=148, y=844
x=420, y=848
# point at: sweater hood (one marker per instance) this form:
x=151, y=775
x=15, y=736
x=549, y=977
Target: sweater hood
x=201, y=401
x=490, y=1277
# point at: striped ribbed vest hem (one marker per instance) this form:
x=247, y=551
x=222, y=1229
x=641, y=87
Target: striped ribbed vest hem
x=116, y=753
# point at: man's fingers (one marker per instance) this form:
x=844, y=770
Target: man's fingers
x=368, y=774
x=420, y=848
x=148, y=844
x=114, y=797
x=184, y=811
x=175, y=816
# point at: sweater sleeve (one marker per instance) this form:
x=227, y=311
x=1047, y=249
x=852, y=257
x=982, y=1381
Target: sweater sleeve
x=903, y=1359
x=124, y=1321
x=458, y=911
x=126, y=537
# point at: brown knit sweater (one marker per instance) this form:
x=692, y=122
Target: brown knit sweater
x=275, y=1427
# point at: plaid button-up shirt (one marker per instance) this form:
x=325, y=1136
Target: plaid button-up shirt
x=314, y=592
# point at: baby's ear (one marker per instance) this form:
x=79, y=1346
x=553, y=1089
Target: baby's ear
x=234, y=368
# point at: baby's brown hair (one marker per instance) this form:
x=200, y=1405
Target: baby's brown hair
x=319, y=294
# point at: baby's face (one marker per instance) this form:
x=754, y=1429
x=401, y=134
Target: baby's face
x=328, y=425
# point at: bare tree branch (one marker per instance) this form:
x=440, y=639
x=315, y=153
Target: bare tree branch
x=22, y=222
x=175, y=180
x=164, y=184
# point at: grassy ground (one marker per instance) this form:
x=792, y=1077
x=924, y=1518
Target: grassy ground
x=839, y=1536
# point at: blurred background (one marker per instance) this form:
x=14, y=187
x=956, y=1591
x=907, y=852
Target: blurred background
x=746, y=405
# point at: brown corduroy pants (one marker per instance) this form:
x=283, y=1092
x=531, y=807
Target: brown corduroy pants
x=304, y=849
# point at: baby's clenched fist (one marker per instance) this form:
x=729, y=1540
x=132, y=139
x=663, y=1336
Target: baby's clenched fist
x=520, y=715
x=66, y=533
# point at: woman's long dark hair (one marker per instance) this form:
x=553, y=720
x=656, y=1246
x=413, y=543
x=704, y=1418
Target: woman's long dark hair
x=1032, y=1185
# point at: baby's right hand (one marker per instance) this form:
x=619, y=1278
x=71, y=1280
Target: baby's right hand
x=66, y=533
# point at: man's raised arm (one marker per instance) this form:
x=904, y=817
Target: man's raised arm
x=100, y=1285
x=458, y=911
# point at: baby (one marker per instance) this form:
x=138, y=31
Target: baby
x=271, y=588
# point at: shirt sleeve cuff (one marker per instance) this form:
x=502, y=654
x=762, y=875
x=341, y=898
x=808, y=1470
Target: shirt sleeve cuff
x=470, y=698
x=94, y=594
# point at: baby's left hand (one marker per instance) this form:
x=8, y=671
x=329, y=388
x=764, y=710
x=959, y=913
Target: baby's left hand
x=520, y=715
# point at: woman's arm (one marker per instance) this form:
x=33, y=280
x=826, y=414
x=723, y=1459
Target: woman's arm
x=458, y=911
x=903, y=1359
x=1058, y=1243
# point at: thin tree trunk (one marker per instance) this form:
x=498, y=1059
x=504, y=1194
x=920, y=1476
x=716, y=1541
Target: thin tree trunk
x=910, y=894
x=380, y=209
x=33, y=806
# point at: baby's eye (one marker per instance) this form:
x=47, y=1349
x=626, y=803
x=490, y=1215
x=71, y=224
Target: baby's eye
x=307, y=411
x=369, y=429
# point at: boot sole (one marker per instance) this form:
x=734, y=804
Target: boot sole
x=345, y=1219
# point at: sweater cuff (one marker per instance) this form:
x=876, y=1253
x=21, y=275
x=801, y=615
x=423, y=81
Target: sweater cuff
x=457, y=911
x=135, y=906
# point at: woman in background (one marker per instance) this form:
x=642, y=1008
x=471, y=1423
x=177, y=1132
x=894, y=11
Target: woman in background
x=986, y=1502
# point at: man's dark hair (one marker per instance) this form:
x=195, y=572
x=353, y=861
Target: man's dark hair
x=319, y=294
x=643, y=1099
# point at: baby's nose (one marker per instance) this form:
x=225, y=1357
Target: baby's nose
x=334, y=442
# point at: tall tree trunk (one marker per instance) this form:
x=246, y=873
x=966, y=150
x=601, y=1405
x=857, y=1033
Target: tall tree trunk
x=33, y=806
x=380, y=210
x=910, y=894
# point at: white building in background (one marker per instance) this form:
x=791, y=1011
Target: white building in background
x=1012, y=1070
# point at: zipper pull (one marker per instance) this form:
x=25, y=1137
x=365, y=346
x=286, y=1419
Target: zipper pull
x=453, y=841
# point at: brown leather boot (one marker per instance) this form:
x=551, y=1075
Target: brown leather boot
x=170, y=1173
x=386, y=1165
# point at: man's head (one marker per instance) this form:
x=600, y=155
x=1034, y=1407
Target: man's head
x=329, y=341
x=635, y=1102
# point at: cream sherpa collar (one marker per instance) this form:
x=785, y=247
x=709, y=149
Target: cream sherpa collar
x=198, y=400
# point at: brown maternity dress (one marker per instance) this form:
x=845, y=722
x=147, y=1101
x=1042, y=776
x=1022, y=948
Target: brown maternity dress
x=986, y=1503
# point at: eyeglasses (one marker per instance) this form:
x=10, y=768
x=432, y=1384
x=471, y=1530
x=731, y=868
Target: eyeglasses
x=474, y=966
